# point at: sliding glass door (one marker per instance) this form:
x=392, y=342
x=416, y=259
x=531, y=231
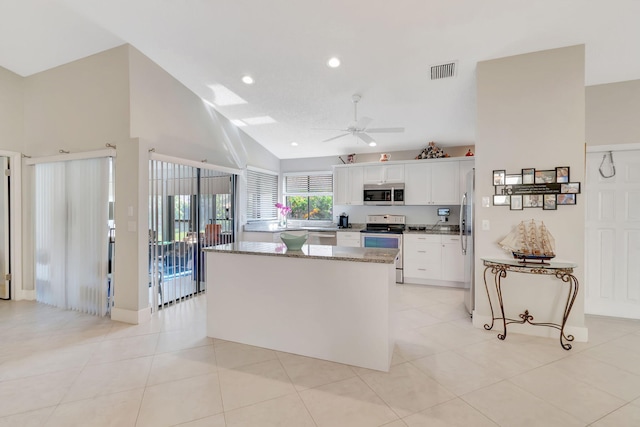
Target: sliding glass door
x=189, y=208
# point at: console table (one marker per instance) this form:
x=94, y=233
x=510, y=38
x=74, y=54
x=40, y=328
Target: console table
x=562, y=271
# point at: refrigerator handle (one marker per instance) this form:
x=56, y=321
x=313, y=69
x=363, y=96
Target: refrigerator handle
x=463, y=213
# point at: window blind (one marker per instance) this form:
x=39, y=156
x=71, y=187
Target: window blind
x=308, y=184
x=262, y=195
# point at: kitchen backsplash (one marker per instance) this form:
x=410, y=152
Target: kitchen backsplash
x=414, y=214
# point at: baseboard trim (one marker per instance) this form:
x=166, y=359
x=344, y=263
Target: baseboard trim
x=580, y=333
x=131, y=316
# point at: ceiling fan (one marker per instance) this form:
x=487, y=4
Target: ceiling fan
x=359, y=128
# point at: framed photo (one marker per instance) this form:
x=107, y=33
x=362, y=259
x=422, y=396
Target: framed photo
x=501, y=200
x=516, y=203
x=532, y=201
x=545, y=177
x=528, y=176
x=498, y=177
x=500, y=189
x=566, y=199
x=571, y=187
x=562, y=174
x=549, y=202
x=513, y=179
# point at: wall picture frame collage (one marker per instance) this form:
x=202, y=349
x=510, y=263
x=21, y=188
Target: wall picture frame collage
x=535, y=188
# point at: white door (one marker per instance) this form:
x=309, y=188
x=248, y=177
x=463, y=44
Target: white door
x=612, y=273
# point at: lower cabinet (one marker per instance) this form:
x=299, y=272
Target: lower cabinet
x=348, y=238
x=432, y=258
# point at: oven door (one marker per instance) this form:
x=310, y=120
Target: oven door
x=385, y=240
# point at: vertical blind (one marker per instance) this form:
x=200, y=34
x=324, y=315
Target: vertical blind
x=262, y=195
x=71, y=234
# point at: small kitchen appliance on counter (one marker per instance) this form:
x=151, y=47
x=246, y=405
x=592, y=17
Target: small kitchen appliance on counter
x=385, y=231
x=343, y=220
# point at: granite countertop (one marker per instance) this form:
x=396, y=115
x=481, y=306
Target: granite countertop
x=325, y=252
x=274, y=228
x=436, y=231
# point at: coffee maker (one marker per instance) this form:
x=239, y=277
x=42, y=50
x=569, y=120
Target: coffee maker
x=343, y=220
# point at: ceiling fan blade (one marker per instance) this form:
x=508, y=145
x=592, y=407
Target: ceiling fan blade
x=333, y=129
x=363, y=122
x=336, y=137
x=366, y=138
x=385, y=130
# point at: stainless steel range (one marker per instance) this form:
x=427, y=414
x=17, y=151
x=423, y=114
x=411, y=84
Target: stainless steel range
x=385, y=231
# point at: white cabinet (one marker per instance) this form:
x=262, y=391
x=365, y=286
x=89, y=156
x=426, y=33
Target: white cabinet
x=348, y=238
x=432, y=259
x=432, y=183
x=384, y=174
x=422, y=255
x=347, y=185
x=452, y=259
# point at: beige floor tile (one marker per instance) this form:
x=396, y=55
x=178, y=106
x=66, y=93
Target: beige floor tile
x=447, y=312
x=396, y=423
x=180, y=401
x=285, y=411
x=407, y=390
x=508, y=405
x=109, y=378
x=306, y=372
x=602, y=375
x=125, y=348
x=253, y=383
x=451, y=336
x=578, y=398
x=232, y=355
x=35, y=418
x=454, y=413
x=212, y=421
x=627, y=416
x=41, y=391
x=457, y=374
x=118, y=409
x=182, y=339
x=506, y=358
x=348, y=402
x=182, y=364
x=413, y=318
x=615, y=355
x=411, y=345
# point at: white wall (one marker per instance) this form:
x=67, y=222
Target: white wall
x=612, y=113
x=11, y=111
x=531, y=114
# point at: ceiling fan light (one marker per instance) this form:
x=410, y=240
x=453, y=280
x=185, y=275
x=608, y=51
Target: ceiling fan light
x=294, y=144
x=248, y=80
x=333, y=62
x=372, y=144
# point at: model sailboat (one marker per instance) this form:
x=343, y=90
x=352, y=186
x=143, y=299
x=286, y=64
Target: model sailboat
x=530, y=242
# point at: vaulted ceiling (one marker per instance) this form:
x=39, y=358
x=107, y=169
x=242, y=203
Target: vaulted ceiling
x=386, y=50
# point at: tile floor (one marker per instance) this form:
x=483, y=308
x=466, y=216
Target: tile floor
x=60, y=368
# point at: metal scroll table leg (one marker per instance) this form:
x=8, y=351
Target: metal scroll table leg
x=498, y=274
x=571, y=297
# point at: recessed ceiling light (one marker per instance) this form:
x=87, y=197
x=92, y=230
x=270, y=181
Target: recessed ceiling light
x=333, y=62
x=247, y=80
x=372, y=144
x=295, y=144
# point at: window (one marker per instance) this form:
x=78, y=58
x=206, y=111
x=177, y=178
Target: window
x=310, y=196
x=262, y=195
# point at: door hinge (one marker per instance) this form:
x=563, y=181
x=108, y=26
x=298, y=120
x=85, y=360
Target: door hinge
x=7, y=276
x=7, y=172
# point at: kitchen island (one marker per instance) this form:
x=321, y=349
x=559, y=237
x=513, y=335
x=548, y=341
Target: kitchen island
x=327, y=302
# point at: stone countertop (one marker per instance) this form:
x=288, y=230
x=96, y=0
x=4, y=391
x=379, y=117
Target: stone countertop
x=436, y=231
x=274, y=228
x=324, y=252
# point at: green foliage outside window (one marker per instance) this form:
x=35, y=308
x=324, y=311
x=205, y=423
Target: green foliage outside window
x=318, y=208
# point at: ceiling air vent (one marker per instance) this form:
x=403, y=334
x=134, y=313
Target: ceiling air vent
x=443, y=71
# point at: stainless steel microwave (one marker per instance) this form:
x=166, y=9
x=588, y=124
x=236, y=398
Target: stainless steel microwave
x=384, y=195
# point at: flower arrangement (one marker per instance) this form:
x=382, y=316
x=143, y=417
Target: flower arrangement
x=284, y=211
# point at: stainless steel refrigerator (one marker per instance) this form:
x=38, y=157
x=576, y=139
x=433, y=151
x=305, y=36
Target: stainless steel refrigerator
x=466, y=240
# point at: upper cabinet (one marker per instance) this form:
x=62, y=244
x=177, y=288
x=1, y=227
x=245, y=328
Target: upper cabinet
x=432, y=183
x=347, y=185
x=384, y=174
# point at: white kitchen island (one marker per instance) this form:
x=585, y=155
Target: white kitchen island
x=327, y=302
